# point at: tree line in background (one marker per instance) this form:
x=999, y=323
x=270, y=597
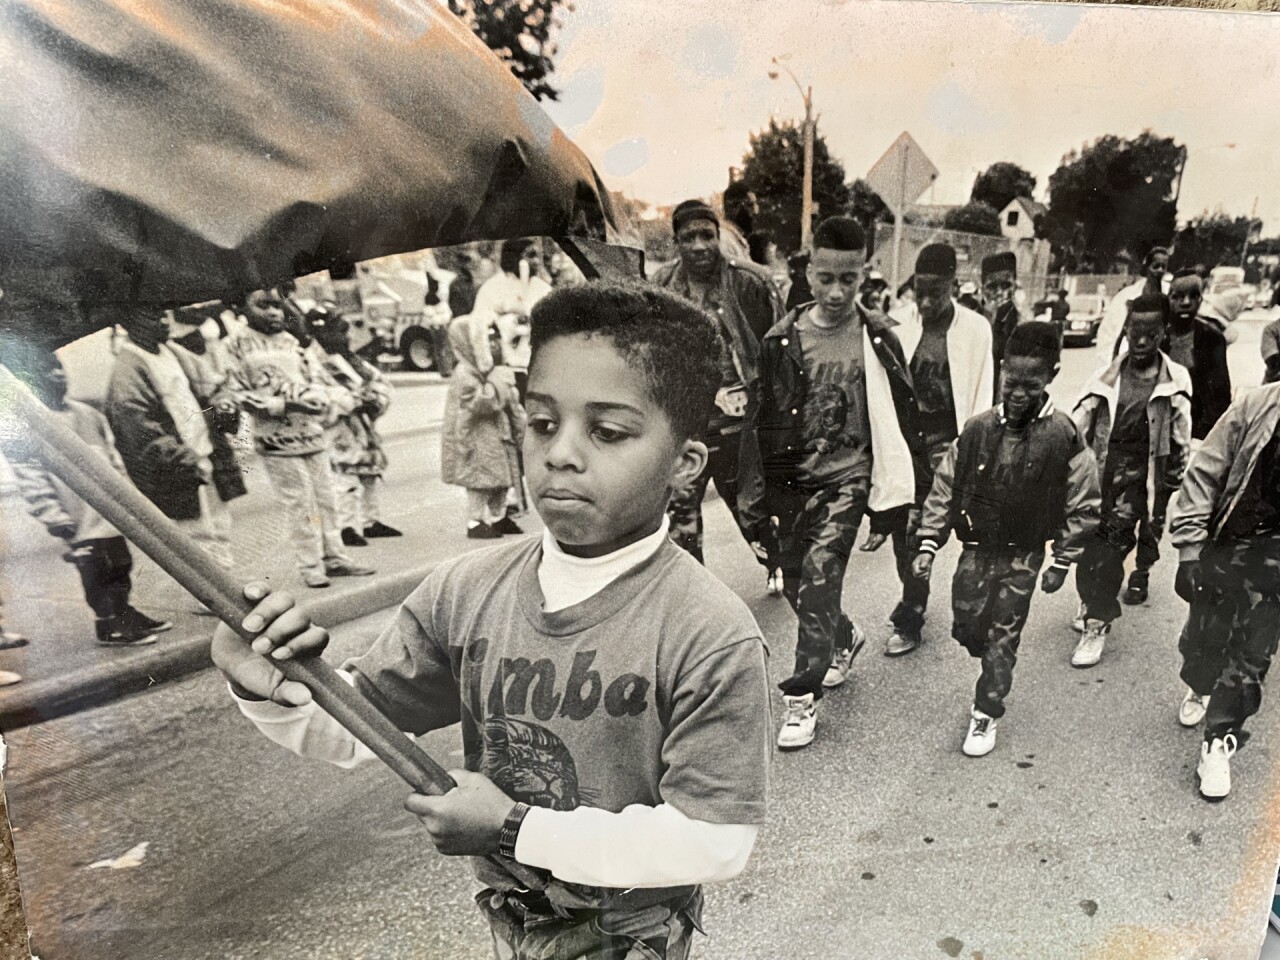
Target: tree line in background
x=1109, y=202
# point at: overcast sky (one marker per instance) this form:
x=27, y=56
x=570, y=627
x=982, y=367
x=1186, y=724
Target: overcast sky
x=662, y=94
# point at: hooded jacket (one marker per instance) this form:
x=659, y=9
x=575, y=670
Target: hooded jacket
x=48, y=497
x=783, y=387
x=1168, y=418
x=1221, y=469
x=483, y=421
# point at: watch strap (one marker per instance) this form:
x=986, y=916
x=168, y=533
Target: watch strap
x=511, y=830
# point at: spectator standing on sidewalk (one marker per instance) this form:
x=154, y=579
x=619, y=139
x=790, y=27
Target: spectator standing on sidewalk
x=98, y=551
x=161, y=432
x=509, y=295
x=483, y=427
x=436, y=314
x=274, y=379
x=193, y=336
x=355, y=448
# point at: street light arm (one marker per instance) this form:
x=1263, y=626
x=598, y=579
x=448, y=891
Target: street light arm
x=794, y=79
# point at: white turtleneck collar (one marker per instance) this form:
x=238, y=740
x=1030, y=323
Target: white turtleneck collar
x=567, y=580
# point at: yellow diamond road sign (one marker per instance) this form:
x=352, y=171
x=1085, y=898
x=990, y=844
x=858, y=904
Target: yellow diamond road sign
x=902, y=174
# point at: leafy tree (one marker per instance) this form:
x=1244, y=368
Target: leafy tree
x=868, y=209
x=518, y=31
x=975, y=217
x=1213, y=240
x=1114, y=198
x=1001, y=183
x=773, y=168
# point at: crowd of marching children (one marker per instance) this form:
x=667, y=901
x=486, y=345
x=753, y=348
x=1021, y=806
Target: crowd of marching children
x=931, y=419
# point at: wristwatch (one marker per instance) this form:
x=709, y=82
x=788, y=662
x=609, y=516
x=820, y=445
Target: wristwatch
x=511, y=830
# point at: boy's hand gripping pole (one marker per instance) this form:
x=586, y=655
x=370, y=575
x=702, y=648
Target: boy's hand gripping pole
x=27, y=425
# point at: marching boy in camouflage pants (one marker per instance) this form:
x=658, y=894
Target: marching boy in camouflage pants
x=1136, y=416
x=1226, y=526
x=835, y=417
x=1018, y=475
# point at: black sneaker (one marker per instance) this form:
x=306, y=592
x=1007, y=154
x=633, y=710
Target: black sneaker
x=483, y=531
x=352, y=539
x=1136, y=592
x=138, y=621
x=115, y=633
x=508, y=527
x=10, y=641
x=380, y=529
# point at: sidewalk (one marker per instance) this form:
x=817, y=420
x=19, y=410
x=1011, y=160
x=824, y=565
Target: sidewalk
x=65, y=671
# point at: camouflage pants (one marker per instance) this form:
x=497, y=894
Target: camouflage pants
x=908, y=615
x=817, y=529
x=1227, y=646
x=1100, y=573
x=653, y=933
x=1150, y=530
x=990, y=599
x=685, y=508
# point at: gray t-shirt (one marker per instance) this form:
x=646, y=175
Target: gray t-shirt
x=837, y=426
x=654, y=690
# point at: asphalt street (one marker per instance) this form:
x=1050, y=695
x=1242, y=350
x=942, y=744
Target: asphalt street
x=1081, y=836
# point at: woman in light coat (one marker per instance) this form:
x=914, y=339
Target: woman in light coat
x=483, y=427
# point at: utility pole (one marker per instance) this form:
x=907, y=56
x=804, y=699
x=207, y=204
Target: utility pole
x=1248, y=232
x=806, y=199
x=809, y=134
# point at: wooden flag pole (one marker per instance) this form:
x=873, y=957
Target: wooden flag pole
x=98, y=483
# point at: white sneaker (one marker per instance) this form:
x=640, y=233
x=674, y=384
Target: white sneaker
x=1089, y=650
x=1193, y=708
x=842, y=662
x=799, y=723
x=981, y=738
x=773, y=585
x=1078, y=623
x=1215, y=767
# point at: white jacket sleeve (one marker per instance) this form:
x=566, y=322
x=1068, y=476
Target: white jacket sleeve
x=637, y=847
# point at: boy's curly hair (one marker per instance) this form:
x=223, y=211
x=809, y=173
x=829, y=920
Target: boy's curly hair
x=673, y=344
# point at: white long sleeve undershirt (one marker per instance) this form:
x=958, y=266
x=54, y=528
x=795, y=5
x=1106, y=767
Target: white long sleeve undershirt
x=638, y=846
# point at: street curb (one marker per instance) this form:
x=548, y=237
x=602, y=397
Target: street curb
x=34, y=702
x=430, y=427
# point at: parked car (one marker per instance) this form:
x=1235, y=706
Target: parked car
x=1084, y=319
